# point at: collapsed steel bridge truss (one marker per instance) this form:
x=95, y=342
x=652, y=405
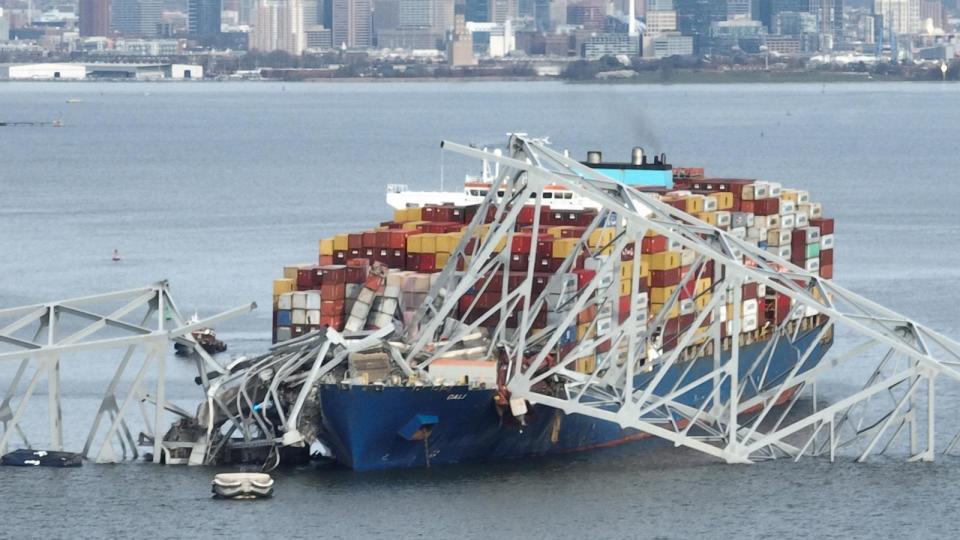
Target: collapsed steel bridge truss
x=142, y=323
x=640, y=384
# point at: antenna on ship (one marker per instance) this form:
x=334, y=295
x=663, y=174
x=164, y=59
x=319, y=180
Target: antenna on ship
x=441, y=168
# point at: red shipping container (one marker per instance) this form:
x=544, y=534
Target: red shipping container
x=766, y=207
x=355, y=253
x=333, y=321
x=334, y=274
x=628, y=252
x=398, y=239
x=519, y=262
x=383, y=239
x=826, y=272
x=332, y=291
x=664, y=278
x=305, y=277
x=426, y=262
x=584, y=277
x=586, y=217
x=826, y=258
x=545, y=245
x=746, y=206
x=750, y=291
x=521, y=243
x=331, y=308
x=825, y=224
x=340, y=257
x=355, y=241
x=587, y=314
x=356, y=274
x=327, y=259
x=654, y=244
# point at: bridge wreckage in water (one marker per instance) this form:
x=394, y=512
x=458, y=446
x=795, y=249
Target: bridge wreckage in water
x=739, y=396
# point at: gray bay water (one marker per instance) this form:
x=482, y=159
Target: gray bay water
x=216, y=186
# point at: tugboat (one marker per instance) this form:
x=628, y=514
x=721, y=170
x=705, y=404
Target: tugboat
x=206, y=337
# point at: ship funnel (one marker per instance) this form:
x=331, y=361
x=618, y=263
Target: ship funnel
x=594, y=157
x=636, y=156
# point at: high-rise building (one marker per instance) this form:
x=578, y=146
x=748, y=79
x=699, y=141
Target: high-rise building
x=590, y=14
x=899, y=16
x=204, y=19
x=352, y=23
x=94, y=18
x=435, y=15
x=695, y=16
x=460, y=48
x=136, y=17
x=277, y=25
x=501, y=11
x=478, y=10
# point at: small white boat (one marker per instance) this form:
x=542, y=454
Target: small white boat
x=242, y=485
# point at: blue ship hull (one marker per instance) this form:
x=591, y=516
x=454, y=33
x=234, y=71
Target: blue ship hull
x=369, y=427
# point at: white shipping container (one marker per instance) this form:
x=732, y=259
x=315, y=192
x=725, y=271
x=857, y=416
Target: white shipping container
x=298, y=316
x=723, y=219
x=809, y=311
x=299, y=300
x=687, y=306
x=778, y=237
x=749, y=322
x=391, y=291
x=802, y=220
x=351, y=290
x=774, y=189
x=313, y=316
x=366, y=296
x=283, y=333
x=687, y=256
x=780, y=251
x=604, y=325
x=788, y=221
x=285, y=301
x=673, y=245
x=787, y=207
x=812, y=235
x=313, y=300
x=750, y=306
x=826, y=242
x=812, y=265
x=354, y=324
x=739, y=232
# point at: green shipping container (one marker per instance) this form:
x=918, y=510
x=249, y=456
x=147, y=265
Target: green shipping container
x=813, y=251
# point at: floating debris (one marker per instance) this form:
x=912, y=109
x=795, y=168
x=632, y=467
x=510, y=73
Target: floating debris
x=242, y=485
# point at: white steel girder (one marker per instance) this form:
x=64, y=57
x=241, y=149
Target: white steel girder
x=144, y=320
x=746, y=409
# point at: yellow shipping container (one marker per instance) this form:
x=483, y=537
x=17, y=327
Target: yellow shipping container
x=428, y=243
x=667, y=260
x=290, y=271
x=501, y=245
x=415, y=243
x=626, y=287
x=283, y=286
x=326, y=246
x=709, y=218
x=655, y=310
x=341, y=242
x=724, y=199
x=586, y=364
x=556, y=231
x=788, y=195
x=694, y=204
x=626, y=270
x=411, y=225
x=582, y=331
x=703, y=284
x=702, y=300
x=563, y=247
x=659, y=295
x=601, y=236
x=442, y=259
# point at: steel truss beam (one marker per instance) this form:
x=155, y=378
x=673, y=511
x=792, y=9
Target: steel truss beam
x=145, y=324
x=745, y=406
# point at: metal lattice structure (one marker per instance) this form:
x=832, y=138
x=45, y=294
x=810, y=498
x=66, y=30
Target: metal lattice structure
x=639, y=383
x=143, y=323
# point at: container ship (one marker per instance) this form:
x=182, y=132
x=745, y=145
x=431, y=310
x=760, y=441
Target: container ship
x=388, y=407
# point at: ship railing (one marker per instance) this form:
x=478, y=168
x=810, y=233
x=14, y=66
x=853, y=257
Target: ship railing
x=397, y=188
